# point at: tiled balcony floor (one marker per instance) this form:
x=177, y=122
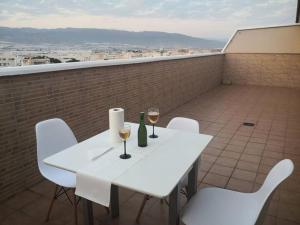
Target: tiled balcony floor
x=238, y=158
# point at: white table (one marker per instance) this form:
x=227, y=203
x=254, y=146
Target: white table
x=167, y=159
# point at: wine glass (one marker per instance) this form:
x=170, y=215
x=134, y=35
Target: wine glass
x=124, y=133
x=153, y=116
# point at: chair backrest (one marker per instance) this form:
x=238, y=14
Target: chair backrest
x=184, y=124
x=278, y=174
x=52, y=136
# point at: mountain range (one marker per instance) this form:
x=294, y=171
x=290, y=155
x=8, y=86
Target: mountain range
x=73, y=36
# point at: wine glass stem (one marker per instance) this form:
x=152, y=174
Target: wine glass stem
x=153, y=129
x=125, y=148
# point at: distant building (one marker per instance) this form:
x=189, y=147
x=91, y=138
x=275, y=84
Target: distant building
x=36, y=60
x=7, y=61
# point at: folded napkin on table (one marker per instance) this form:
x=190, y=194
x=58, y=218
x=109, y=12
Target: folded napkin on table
x=95, y=153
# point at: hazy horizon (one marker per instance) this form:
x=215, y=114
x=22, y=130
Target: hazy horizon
x=112, y=30
x=209, y=19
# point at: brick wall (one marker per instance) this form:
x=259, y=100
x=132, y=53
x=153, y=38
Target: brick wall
x=281, y=70
x=82, y=98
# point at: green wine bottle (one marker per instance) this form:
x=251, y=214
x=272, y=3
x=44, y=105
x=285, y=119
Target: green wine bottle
x=142, y=132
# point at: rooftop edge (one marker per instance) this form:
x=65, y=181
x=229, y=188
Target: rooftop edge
x=31, y=69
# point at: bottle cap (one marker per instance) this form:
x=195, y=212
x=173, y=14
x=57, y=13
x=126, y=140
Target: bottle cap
x=142, y=114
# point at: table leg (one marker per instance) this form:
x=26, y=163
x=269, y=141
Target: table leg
x=114, y=201
x=87, y=212
x=192, y=180
x=174, y=206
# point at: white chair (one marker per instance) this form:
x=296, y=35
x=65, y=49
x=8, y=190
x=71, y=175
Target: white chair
x=183, y=124
x=53, y=136
x=215, y=206
x=187, y=125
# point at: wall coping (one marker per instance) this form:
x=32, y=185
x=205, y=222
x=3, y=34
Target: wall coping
x=31, y=69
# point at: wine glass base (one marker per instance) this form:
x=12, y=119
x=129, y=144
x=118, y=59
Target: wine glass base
x=125, y=156
x=153, y=136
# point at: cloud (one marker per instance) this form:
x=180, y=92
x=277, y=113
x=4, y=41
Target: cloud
x=207, y=18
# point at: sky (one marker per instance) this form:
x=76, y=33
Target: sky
x=216, y=19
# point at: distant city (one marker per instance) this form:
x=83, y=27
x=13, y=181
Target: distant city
x=27, y=46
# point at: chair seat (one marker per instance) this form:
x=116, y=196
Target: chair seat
x=215, y=206
x=58, y=176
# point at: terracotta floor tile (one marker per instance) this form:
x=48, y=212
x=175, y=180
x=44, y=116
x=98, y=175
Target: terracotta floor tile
x=274, y=148
x=290, y=197
x=22, y=199
x=219, y=145
x=238, y=143
x=273, y=208
x=258, y=146
x=225, y=134
x=230, y=154
x=205, y=166
x=212, y=151
x=18, y=218
x=250, y=158
x=269, y=220
x=239, y=185
x=258, y=140
x=208, y=158
x=222, y=139
x=234, y=148
x=274, y=155
x=285, y=212
x=244, y=175
x=44, y=188
x=240, y=138
x=249, y=166
x=221, y=170
x=215, y=180
x=260, y=178
x=259, y=135
x=222, y=161
x=280, y=221
x=5, y=212
x=253, y=151
x=265, y=169
x=269, y=161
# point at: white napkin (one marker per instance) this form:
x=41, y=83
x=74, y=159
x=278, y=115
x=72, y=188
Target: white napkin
x=93, y=182
x=93, y=189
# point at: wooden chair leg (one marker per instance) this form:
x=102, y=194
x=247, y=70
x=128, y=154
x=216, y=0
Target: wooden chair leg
x=51, y=203
x=75, y=208
x=146, y=198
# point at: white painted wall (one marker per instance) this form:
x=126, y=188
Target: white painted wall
x=281, y=39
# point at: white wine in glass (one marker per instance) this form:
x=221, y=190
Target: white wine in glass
x=124, y=134
x=153, y=116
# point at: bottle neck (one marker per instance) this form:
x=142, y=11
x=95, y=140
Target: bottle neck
x=142, y=116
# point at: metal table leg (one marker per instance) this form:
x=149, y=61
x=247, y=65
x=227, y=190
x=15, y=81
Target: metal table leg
x=114, y=201
x=174, y=206
x=192, y=180
x=87, y=212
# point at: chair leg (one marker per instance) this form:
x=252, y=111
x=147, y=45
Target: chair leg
x=107, y=210
x=146, y=198
x=75, y=208
x=51, y=203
